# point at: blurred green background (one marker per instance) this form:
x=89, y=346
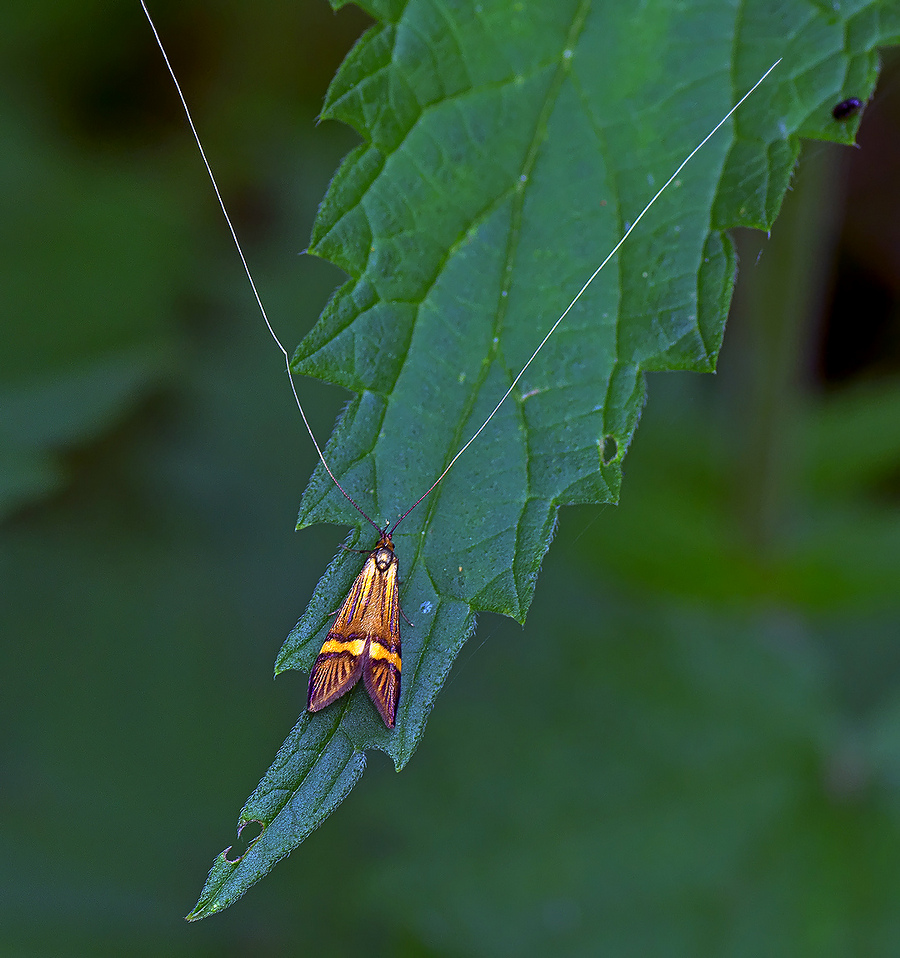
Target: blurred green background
x=694, y=746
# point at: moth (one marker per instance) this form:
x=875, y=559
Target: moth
x=364, y=639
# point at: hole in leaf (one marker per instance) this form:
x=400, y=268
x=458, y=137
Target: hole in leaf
x=609, y=449
x=249, y=833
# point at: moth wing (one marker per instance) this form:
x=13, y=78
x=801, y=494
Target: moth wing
x=381, y=675
x=336, y=670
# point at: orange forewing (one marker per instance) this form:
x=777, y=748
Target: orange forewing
x=364, y=640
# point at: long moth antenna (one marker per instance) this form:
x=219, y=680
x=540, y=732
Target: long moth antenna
x=581, y=292
x=237, y=243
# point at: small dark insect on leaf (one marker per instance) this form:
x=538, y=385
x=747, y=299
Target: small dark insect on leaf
x=847, y=108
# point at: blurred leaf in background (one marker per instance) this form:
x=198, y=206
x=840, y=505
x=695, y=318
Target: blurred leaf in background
x=694, y=747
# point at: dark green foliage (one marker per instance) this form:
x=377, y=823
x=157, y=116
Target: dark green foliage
x=692, y=748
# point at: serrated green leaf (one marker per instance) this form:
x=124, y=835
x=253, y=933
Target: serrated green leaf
x=505, y=150
x=312, y=774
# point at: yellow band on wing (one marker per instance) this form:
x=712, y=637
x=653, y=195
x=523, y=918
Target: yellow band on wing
x=354, y=646
x=378, y=651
